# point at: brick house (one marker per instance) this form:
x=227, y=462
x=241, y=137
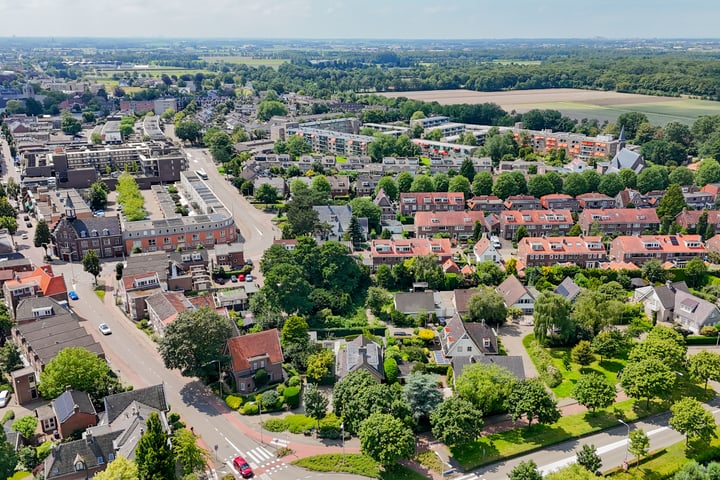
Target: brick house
x=595, y=200
x=458, y=225
x=41, y=282
x=622, y=221
x=559, y=201
x=71, y=411
x=585, y=252
x=391, y=252
x=387, y=207
x=431, y=202
x=73, y=237
x=135, y=289
x=252, y=352
x=365, y=184
x=230, y=255
x=522, y=202
x=678, y=249
x=339, y=185
x=537, y=222
x=688, y=219
x=486, y=203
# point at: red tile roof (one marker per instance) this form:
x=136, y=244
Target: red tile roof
x=659, y=243
x=690, y=218
x=49, y=283
x=619, y=215
x=429, y=219
x=453, y=198
x=255, y=345
x=414, y=247
x=539, y=217
x=564, y=245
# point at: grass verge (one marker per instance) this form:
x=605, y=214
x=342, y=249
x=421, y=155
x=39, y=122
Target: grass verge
x=20, y=475
x=357, y=464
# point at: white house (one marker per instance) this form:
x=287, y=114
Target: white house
x=516, y=295
x=484, y=251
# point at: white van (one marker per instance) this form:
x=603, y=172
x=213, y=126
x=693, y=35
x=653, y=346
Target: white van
x=495, y=242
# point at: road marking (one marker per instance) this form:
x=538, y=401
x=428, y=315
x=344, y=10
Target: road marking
x=259, y=231
x=232, y=444
x=280, y=442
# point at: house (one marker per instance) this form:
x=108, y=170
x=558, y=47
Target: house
x=177, y=271
x=677, y=249
x=689, y=219
x=360, y=354
x=81, y=459
x=522, y=202
x=450, y=267
x=538, y=223
x=71, y=411
x=659, y=301
x=619, y=221
x=568, y=289
x=467, y=339
x=629, y=198
x=339, y=184
x=365, y=184
x=414, y=303
x=485, y=251
x=713, y=243
x=486, y=203
x=41, y=282
x=515, y=294
x=74, y=237
x=713, y=189
x=457, y=225
x=252, y=352
x=585, y=252
x=278, y=183
x=387, y=207
x=461, y=297
x=391, y=252
x=595, y=200
x=412, y=202
x=559, y=201
x=230, y=256
x=693, y=313
x=511, y=363
x=337, y=217
x=135, y=290
x=697, y=199
x=164, y=307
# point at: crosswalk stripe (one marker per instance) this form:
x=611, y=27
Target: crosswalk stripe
x=251, y=456
x=260, y=451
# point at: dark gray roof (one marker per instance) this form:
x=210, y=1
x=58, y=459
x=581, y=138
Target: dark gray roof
x=478, y=332
x=568, y=289
x=64, y=405
x=98, y=224
x=151, y=396
x=666, y=293
x=147, y=262
x=513, y=364
x=414, y=302
x=362, y=353
x=93, y=451
x=626, y=158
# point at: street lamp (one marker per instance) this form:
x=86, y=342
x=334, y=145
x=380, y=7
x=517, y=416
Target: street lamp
x=442, y=464
x=260, y=415
x=627, y=445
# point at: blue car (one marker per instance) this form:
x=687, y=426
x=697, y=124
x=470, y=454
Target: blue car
x=73, y=295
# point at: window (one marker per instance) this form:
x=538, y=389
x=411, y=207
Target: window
x=101, y=460
x=79, y=466
x=242, y=387
x=469, y=349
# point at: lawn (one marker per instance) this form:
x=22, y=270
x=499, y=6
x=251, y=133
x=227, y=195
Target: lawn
x=509, y=444
x=251, y=61
x=609, y=368
x=356, y=464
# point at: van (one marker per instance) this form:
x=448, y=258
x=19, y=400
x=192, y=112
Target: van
x=495, y=242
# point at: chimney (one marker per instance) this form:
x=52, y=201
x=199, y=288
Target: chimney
x=68, y=388
x=669, y=285
x=362, y=351
x=76, y=408
x=88, y=437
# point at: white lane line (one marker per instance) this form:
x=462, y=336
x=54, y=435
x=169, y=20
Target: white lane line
x=232, y=444
x=259, y=231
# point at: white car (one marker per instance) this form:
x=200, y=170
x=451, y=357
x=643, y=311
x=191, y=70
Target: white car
x=24, y=236
x=4, y=398
x=105, y=329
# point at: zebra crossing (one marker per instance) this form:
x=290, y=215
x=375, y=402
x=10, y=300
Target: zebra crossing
x=469, y=476
x=258, y=457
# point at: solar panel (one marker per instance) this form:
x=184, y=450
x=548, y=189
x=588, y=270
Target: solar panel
x=674, y=241
x=440, y=359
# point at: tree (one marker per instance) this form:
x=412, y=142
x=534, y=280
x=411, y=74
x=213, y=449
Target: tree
x=422, y=183
x=191, y=456
x=459, y=183
x=520, y=233
x=628, y=178
x=682, y=176
x=119, y=469
x=10, y=223
x=552, y=318
x=588, y=458
x=540, y=185
x=486, y=386
x=153, y=455
x=653, y=271
x=28, y=457
x=527, y=470
x=181, y=347
x=98, y=195
x=594, y=391
x=81, y=370
x=671, y=203
x=6, y=210
x=690, y=418
x=319, y=365
x=422, y=395
x=467, y=169
x=482, y=183
x=69, y=124
x=610, y=184
x=487, y=305
x=297, y=146
x=631, y=121
x=366, y=208
x=529, y=398
x=316, y=403
x=8, y=456
x=91, y=264
x=404, y=181
x=10, y=359
x=505, y=185
x=119, y=267
x=42, y=235
x=575, y=184
x=704, y=366
x=654, y=177
x=391, y=370
x=389, y=186
x=582, y=353
x=266, y=194
x=639, y=444
x=26, y=426
x=386, y=439
x=695, y=272
x=321, y=186
x=270, y=108
x=592, y=178
x=573, y=471
x=489, y=273
x=347, y=392
x=668, y=350
x=707, y=172
x=647, y=379
x=188, y=130
x=441, y=182
x=456, y=421
x=608, y=343
x=426, y=268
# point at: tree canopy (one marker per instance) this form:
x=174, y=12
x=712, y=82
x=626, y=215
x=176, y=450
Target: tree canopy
x=80, y=369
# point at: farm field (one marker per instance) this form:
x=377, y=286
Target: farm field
x=251, y=61
x=577, y=103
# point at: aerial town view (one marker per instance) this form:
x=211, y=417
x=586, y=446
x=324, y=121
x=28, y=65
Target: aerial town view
x=294, y=240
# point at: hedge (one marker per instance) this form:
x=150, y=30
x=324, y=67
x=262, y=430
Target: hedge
x=250, y=408
x=233, y=401
x=325, y=333
x=700, y=340
x=292, y=396
x=544, y=364
x=437, y=368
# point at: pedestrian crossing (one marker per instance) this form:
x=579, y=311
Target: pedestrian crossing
x=258, y=457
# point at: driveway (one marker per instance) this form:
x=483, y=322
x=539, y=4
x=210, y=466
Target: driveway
x=511, y=336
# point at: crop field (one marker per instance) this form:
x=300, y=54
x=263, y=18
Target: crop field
x=577, y=103
x=253, y=62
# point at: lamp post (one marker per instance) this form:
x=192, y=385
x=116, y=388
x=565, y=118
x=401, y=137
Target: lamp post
x=260, y=414
x=442, y=464
x=342, y=439
x=627, y=446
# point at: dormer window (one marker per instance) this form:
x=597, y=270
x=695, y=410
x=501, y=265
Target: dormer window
x=106, y=232
x=79, y=466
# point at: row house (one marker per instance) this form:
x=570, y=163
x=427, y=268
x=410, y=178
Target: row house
x=622, y=221
x=392, y=252
x=559, y=201
x=595, y=200
x=537, y=222
x=688, y=219
x=586, y=252
x=388, y=211
x=339, y=185
x=697, y=199
x=522, y=202
x=630, y=198
x=135, y=290
x=431, y=202
x=677, y=249
x=458, y=225
x=365, y=184
x=41, y=282
x=713, y=189
x=394, y=165
x=486, y=203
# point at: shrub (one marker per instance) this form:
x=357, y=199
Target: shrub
x=281, y=388
x=391, y=370
x=294, y=381
x=233, y=401
x=543, y=361
x=229, y=476
x=44, y=450
x=709, y=331
x=329, y=431
x=299, y=423
x=292, y=397
x=261, y=377
x=250, y=408
x=275, y=425
x=284, y=452
x=269, y=400
x=9, y=415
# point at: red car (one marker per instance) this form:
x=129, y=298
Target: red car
x=243, y=467
x=241, y=277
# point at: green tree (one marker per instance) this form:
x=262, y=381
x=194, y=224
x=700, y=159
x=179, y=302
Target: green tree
x=81, y=370
x=270, y=108
x=181, y=347
x=316, y=403
x=10, y=359
x=459, y=183
x=389, y=186
x=552, y=318
x=28, y=458
x=377, y=299
x=594, y=391
x=347, y=393
x=704, y=366
x=96, y=138
x=391, y=370
x=682, y=176
x=573, y=471
x=610, y=184
x=456, y=421
x=487, y=305
x=422, y=183
x=520, y=233
x=540, y=185
x=582, y=353
x=404, y=182
x=98, y=195
x=647, y=379
x=482, y=183
x=191, y=456
x=639, y=445
x=422, y=395
x=8, y=456
x=467, y=169
x=529, y=398
x=628, y=178
x=188, y=130
x=671, y=203
x=527, y=470
x=119, y=469
x=575, y=230
x=505, y=185
x=489, y=273
x=575, y=184
x=266, y=194
x=6, y=210
x=608, y=343
x=695, y=272
x=69, y=124
x=297, y=146
x=365, y=208
x=668, y=350
x=321, y=186
x=653, y=271
x=654, y=177
x=631, y=121
x=386, y=439
x=588, y=458
x=384, y=277
x=426, y=268
x=9, y=223
x=486, y=386
x=707, y=172
x=320, y=365
x=91, y=264
x=26, y=426
x=690, y=418
x=42, y=235
x=153, y=455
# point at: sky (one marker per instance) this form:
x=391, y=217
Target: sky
x=383, y=19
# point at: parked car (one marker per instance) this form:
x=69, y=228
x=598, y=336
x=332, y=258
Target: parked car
x=249, y=278
x=233, y=279
x=24, y=236
x=4, y=398
x=220, y=281
x=105, y=329
x=248, y=261
x=73, y=295
x=28, y=224
x=242, y=467
x=26, y=218
x=241, y=277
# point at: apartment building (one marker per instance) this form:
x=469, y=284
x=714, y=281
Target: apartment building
x=677, y=249
x=537, y=222
x=576, y=145
x=619, y=221
x=458, y=225
x=333, y=142
x=391, y=252
x=585, y=252
x=410, y=203
x=365, y=184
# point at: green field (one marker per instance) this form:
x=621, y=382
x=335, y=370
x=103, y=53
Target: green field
x=253, y=62
x=683, y=110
